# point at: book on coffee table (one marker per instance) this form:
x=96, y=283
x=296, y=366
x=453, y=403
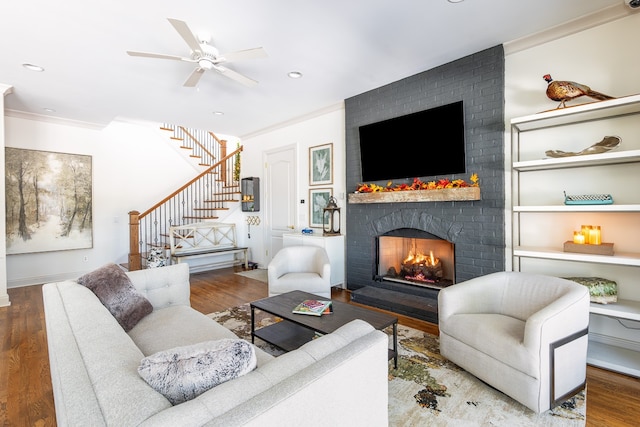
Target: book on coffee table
x=313, y=307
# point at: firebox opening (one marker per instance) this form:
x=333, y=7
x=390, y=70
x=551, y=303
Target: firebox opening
x=415, y=257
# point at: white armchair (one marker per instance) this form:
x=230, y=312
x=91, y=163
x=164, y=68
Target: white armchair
x=304, y=268
x=524, y=334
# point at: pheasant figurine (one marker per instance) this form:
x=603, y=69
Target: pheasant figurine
x=564, y=91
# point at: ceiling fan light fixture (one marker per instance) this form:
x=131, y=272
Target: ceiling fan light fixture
x=205, y=64
x=206, y=56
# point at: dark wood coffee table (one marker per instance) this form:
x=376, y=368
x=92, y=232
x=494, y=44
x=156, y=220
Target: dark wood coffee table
x=297, y=329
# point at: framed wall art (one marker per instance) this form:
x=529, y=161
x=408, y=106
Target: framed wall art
x=318, y=199
x=321, y=164
x=48, y=201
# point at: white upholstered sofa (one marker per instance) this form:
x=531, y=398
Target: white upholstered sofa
x=524, y=334
x=339, y=379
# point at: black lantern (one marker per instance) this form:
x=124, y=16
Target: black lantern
x=331, y=218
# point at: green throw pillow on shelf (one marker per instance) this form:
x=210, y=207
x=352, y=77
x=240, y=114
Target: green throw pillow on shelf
x=601, y=290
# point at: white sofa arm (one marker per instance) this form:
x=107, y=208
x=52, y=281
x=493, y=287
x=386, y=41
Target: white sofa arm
x=323, y=265
x=163, y=286
x=276, y=268
x=557, y=336
x=566, y=315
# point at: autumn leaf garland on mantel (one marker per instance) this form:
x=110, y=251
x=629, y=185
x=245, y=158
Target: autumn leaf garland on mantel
x=419, y=185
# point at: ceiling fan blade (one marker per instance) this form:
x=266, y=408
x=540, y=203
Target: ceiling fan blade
x=254, y=53
x=183, y=29
x=194, y=77
x=233, y=75
x=157, y=55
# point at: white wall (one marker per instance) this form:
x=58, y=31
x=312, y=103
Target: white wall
x=322, y=128
x=134, y=166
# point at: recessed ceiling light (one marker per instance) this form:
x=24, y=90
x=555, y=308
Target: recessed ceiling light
x=218, y=113
x=49, y=110
x=294, y=74
x=33, y=67
x=455, y=1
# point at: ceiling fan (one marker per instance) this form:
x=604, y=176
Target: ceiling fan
x=206, y=56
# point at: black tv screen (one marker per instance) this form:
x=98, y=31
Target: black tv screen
x=422, y=144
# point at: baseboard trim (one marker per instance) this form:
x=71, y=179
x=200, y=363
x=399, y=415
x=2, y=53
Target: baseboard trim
x=49, y=278
x=614, y=341
x=4, y=301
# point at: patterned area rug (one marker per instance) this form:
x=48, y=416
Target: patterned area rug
x=426, y=389
x=257, y=274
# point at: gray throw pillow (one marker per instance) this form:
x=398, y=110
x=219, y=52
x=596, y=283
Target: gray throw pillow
x=183, y=373
x=115, y=291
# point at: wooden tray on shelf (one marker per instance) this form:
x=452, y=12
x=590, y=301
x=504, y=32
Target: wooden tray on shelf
x=602, y=249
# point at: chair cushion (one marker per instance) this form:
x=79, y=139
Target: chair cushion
x=183, y=373
x=498, y=336
x=309, y=282
x=115, y=291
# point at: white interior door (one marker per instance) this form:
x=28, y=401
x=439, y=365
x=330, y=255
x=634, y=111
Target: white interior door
x=280, y=197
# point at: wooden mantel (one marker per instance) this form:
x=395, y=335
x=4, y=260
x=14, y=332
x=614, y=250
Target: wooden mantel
x=444, y=195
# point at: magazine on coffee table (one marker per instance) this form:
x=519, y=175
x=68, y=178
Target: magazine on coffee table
x=313, y=307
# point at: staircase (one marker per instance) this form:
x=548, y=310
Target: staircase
x=200, y=199
x=202, y=145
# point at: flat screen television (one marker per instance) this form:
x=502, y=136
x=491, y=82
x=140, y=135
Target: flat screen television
x=422, y=144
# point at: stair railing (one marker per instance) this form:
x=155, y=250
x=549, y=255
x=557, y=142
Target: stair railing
x=204, y=145
x=195, y=201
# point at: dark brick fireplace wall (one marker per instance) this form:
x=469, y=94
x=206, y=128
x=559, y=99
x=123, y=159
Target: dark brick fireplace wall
x=475, y=227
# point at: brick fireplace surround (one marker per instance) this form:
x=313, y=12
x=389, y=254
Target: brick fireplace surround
x=475, y=227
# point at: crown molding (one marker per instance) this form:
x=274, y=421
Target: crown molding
x=6, y=89
x=55, y=120
x=585, y=22
x=331, y=108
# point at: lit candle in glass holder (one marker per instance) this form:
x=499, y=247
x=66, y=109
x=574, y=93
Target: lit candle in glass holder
x=586, y=231
x=578, y=237
x=595, y=236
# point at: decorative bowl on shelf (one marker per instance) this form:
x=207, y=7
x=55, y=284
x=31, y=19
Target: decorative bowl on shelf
x=608, y=143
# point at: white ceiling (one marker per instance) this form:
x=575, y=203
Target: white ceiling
x=342, y=47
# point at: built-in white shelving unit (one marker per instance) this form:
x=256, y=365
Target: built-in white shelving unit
x=542, y=223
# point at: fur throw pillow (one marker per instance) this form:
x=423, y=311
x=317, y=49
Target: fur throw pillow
x=115, y=291
x=183, y=373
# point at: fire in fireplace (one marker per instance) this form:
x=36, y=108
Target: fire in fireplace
x=421, y=268
x=415, y=257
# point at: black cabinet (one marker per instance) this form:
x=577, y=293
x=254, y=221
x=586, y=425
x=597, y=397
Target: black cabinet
x=250, y=188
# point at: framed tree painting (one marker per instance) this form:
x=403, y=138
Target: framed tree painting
x=48, y=201
x=318, y=199
x=321, y=164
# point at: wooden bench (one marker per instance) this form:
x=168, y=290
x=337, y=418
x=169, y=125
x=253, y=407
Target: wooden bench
x=206, y=240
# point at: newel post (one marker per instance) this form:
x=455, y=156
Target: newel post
x=134, y=237
x=223, y=154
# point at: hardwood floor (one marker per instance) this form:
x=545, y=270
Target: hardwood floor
x=26, y=398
